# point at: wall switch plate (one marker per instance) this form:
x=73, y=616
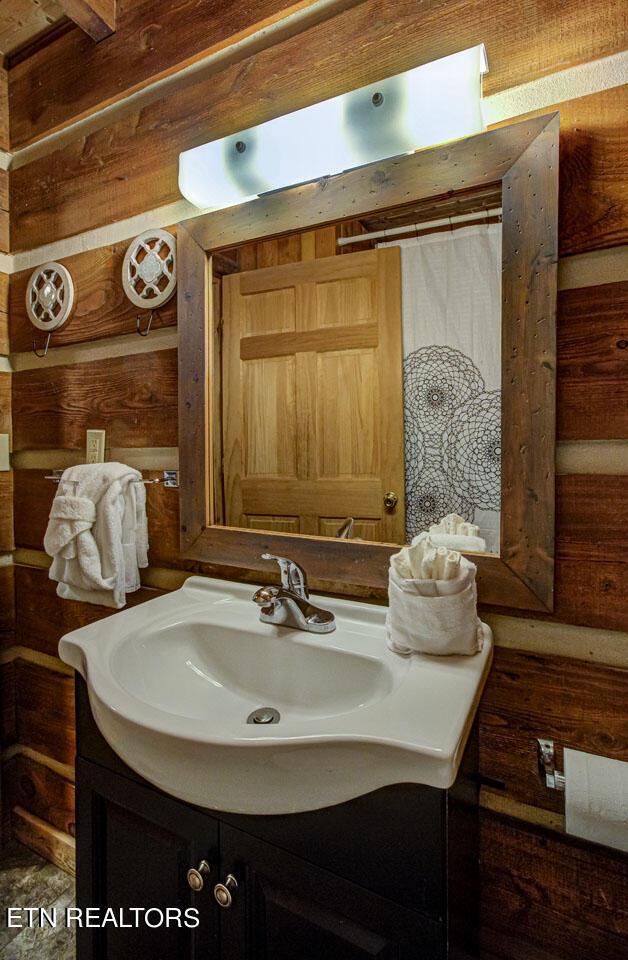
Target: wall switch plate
x=95, y=446
x=4, y=452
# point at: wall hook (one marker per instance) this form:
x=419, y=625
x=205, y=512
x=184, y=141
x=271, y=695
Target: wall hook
x=138, y=323
x=37, y=352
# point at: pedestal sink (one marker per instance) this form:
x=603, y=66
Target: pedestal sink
x=175, y=684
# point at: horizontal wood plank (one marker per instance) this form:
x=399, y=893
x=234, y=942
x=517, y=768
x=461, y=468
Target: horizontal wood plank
x=4, y=314
x=284, y=344
x=132, y=164
x=592, y=331
x=4, y=334
x=5, y=403
x=45, y=711
x=578, y=705
x=4, y=109
x=8, y=725
x=591, y=594
x=43, y=617
x=75, y=77
x=102, y=307
x=592, y=518
x=51, y=844
x=42, y=792
x=6, y=511
x=133, y=398
x=546, y=897
x=7, y=606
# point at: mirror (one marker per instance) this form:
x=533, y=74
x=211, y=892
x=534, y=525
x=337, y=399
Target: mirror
x=357, y=369
x=373, y=355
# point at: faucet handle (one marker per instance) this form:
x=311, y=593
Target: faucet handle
x=293, y=577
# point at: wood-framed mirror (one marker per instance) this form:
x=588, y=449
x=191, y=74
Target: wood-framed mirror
x=298, y=377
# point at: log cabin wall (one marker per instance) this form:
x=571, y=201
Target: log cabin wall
x=95, y=132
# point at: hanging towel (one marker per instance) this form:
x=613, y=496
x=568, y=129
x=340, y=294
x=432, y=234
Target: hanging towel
x=432, y=599
x=97, y=533
x=456, y=533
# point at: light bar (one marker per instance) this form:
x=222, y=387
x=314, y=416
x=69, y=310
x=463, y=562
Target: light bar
x=432, y=104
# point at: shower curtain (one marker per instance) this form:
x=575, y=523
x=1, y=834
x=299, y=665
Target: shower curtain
x=451, y=315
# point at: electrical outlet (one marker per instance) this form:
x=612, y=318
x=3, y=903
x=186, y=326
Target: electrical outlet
x=95, y=446
x=4, y=452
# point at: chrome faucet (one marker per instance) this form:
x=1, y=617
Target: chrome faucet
x=289, y=605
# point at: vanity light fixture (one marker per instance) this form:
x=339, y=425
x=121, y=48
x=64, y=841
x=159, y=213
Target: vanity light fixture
x=431, y=104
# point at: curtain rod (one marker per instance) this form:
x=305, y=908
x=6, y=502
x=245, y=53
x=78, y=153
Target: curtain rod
x=415, y=227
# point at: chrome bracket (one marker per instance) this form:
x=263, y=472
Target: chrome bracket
x=171, y=478
x=554, y=779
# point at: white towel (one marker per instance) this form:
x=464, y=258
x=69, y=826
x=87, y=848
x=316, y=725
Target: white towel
x=97, y=533
x=432, y=602
x=455, y=532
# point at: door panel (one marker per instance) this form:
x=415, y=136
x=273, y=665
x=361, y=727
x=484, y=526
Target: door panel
x=288, y=909
x=134, y=848
x=312, y=394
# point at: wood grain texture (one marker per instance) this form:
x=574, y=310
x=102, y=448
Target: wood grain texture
x=21, y=21
x=195, y=364
x=6, y=511
x=7, y=607
x=74, y=78
x=593, y=363
x=546, y=897
x=131, y=164
x=96, y=18
x=578, y=705
x=43, y=618
x=134, y=398
x=8, y=717
x=77, y=78
x=45, y=710
x=5, y=403
x=102, y=308
x=44, y=839
x=592, y=518
x=4, y=334
x=528, y=350
x=41, y=791
x=4, y=107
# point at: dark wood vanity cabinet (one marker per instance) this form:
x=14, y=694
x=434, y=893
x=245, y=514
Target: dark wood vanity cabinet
x=392, y=875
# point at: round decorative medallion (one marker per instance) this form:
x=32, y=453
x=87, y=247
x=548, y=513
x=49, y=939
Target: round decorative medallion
x=149, y=270
x=49, y=296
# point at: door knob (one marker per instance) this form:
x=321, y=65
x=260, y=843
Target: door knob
x=390, y=500
x=223, y=892
x=196, y=876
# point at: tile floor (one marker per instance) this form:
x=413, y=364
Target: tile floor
x=26, y=880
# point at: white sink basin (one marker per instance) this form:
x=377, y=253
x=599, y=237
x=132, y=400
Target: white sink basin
x=172, y=682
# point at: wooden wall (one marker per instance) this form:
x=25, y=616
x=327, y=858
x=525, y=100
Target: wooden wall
x=544, y=895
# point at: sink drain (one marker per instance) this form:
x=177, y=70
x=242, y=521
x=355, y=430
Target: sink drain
x=263, y=715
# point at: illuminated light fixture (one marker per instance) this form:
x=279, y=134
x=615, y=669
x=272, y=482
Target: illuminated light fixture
x=432, y=104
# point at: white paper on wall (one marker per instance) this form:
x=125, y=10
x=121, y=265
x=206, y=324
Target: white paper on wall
x=596, y=798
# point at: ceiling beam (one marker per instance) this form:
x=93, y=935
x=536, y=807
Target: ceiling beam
x=96, y=17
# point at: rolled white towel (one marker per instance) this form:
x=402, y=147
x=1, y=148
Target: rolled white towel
x=455, y=532
x=432, y=602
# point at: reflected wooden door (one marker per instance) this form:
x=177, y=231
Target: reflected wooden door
x=312, y=396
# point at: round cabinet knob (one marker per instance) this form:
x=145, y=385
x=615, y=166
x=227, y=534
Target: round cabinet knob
x=223, y=892
x=390, y=500
x=196, y=876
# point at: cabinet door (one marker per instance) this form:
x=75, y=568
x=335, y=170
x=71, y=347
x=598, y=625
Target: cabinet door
x=134, y=848
x=286, y=908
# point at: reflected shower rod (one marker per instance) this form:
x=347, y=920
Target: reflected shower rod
x=417, y=227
